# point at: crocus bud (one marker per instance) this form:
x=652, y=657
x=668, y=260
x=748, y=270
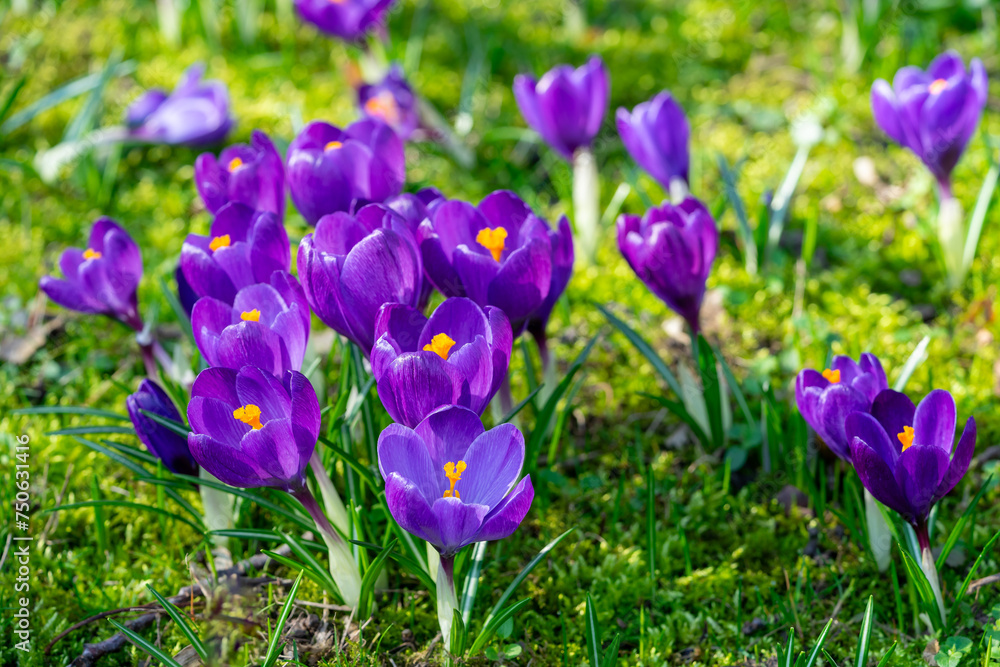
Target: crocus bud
x=933, y=113
x=671, y=248
x=352, y=265
x=566, y=106
x=253, y=175
x=457, y=357
x=329, y=169
x=251, y=429
x=243, y=247
x=392, y=101
x=163, y=442
x=195, y=114
x=907, y=457
x=267, y=326
x=347, y=19
x=101, y=278
x=498, y=253
x=656, y=135
x=825, y=399
x=450, y=482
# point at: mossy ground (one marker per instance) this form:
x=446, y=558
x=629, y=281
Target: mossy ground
x=735, y=568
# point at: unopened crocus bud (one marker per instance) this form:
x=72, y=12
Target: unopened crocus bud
x=163, y=442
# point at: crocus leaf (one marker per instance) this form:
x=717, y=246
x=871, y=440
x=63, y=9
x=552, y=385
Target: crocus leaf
x=679, y=411
x=371, y=575
x=593, y=634
x=928, y=602
x=814, y=654
x=888, y=654
x=520, y=406
x=472, y=581
x=70, y=410
x=409, y=564
x=493, y=623
x=124, y=503
x=309, y=562
x=275, y=645
x=959, y=527
x=356, y=465
x=145, y=645
x=712, y=390
x=975, y=566
x=182, y=623
x=176, y=427
x=458, y=634
x=611, y=655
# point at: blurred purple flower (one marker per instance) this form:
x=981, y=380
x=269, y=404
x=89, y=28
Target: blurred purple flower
x=671, y=248
x=498, y=253
x=826, y=399
x=253, y=175
x=244, y=247
x=267, y=326
x=656, y=135
x=352, y=265
x=393, y=101
x=457, y=357
x=566, y=106
x=251, y=429
x=102, y=278
x=331, y=170
x=347, y=19
x=195, y=114
x=906, y=457
x=164, y=443
x=449, y=481
x=933, y=113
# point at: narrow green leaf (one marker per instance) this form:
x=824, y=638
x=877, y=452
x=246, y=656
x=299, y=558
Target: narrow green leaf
x=712, y=391
x=94, y=430
x=740, y=209
x=611, y=655
x=368, y=581
x=644, y=348
x=520, y=406
x=182, y=623
x=408, y=563
x=8, y=101
x=975, y=566
x=70, y=410
x=864, y=637
x=927, y=600
x=978, y=214
x=179, y=428
x=888, y=654
x=297, y=519
x=301, y=551
x=959, y=527
x=275, y=646
x=130, y=505
x=678, y=410
x=146, y=646
x=734, y=386
x=916, y=358
x=459, y=635
x=472, y=581
x=593, y=635
x=354, y=463
x=494, y=622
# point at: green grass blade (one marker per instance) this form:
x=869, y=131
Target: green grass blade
x=146, y=646
x=179, y=428
x=471, y=585
x=740, y=209
x=927, y=600
x=70, y=410
x=493, y=624
x=520, y=406
x=363, y=471
x=182, y=623
x=644, y=348
x=734, y=386
x=408, y=563
x=297, y=519
x=310, y=562
x=459, y=634
x=130, y=505
x=888, y=654
x=611, y=655
x=368, y=581
x=917, y=357
x=864, y=637
x=678, y=410
x=275, y=646
x=592, y=633
x=959, y=527
x=712, y=391
x=11, y=97
x=975, y=566
x=978, y=214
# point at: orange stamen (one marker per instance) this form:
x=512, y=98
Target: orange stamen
x=493, y=240
x=906, y=437
x=440, y=345
x=249, y=415
x=384, y=106
x=833, y=377
x=235, y=164
x=219, y=242
x=333, y=144
x=250, y=315
x=91, y=254
x=454, y=473
x=937, y=86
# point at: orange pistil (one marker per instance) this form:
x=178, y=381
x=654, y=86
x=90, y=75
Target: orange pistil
x=454, y=473
x=235, y=164
x=219, y=242
x=493, y=240
x=937, y=86
x=906, y=437
x=440, y=345
x=833, y=377
x=383, y=106
x=332, y=145
x=250, y=315
x=91, y=254
x=249, y=415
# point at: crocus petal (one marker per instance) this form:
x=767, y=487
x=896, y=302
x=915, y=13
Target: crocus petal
x=493, y=464
x=458, y=522
x=415, y=384
x=959, y=462
x=919, y=471
x=878, y=478
x=934, y=421
x=411, y=510
x=402, y=452
x=255, y=387
x=504, y=519
x=448, y=433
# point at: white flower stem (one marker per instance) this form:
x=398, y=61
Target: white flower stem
x=447, y=601
x=218, y=508
x=342, y=566
x=930, y=571
x=951, y=236
x=586, y=202
x=879, y=537
x=433, y=560
x=332, y=503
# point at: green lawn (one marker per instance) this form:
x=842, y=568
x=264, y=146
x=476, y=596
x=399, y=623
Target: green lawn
x=716, y=563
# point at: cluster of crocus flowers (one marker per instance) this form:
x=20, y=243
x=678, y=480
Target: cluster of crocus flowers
x=353, y=265
x=671, y=248
x=329, y=169
x=566, y=107
x=458, y=356
x=196, y=113
x=392, y=101
x=250, y=174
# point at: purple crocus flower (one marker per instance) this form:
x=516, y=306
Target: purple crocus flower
x=251, y=429
x=164, y=443
x=671, y=248
x=244, y=247
x=933, y=113
x=195, y=114
x=414, y=208
x=102, y=278
x=347, y=19
x=906, y=457
x=457, y=357
x=566, y=106
x=393, y=101
x=498, y=253
x=825, y=399
x=561, y=240
x=352, y=265
x=253, y=175
x=330, y=169
x=267, y=326
x=656, y=135
x=450, y=482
